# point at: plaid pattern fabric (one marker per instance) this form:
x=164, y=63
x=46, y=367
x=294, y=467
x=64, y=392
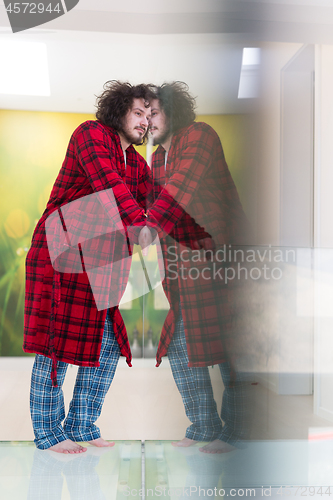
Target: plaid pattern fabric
x=235, y=411
x=195, y=387
x=91, y=386
x=196, y=390
x=61, y=318
x=199, y=199
x=196, y=182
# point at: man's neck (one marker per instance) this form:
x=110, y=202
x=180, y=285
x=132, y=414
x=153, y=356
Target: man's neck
x=124, y=142
x=167, y=143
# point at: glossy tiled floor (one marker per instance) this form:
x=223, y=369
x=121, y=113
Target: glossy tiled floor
x=99, y=474
x=259, y=464
x=169, y=472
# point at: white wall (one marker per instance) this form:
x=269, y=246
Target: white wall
x=274, y=58
x=323, y=258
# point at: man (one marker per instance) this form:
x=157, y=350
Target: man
x=62, y=323
x=195, y=205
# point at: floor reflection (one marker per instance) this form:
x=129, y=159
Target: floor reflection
x=264, y=466
x=170, y=472
x=99, y=474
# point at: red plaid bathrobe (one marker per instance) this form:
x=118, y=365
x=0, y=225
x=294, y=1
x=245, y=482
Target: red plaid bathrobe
x=61, y=317
x=196, y=184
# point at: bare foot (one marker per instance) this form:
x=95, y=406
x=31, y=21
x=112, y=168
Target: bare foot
x=184, y=442
x=67, y=446
x=217, y=446
x=101, y=443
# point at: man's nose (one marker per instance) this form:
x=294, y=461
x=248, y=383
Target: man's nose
x=145, y=121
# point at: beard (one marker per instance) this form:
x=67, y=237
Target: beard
x=162, y=137
x=133, y=139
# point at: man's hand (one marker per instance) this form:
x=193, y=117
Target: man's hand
x=145, y=240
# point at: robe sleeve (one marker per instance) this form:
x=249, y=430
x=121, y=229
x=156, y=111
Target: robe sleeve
x=144, y=186
x=96, y=153
x=200, y=148
x=174, y=200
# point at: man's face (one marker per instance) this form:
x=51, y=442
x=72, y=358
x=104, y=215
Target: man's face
x=159, y=127
x=135, y=123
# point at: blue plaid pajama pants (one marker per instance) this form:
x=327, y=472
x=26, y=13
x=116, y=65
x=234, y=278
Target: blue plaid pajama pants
x=91, y=386
x=196, y=390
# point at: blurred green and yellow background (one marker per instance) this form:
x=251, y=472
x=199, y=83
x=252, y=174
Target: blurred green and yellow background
x=32, y=149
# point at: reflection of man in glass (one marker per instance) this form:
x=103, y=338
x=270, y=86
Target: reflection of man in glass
x=62, y=322
x=191, y=180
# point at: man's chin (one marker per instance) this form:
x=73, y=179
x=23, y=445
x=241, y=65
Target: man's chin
x=137, y=140
x=160, y=138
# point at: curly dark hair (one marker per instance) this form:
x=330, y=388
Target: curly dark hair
x=117, y=98
x=177, y=104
